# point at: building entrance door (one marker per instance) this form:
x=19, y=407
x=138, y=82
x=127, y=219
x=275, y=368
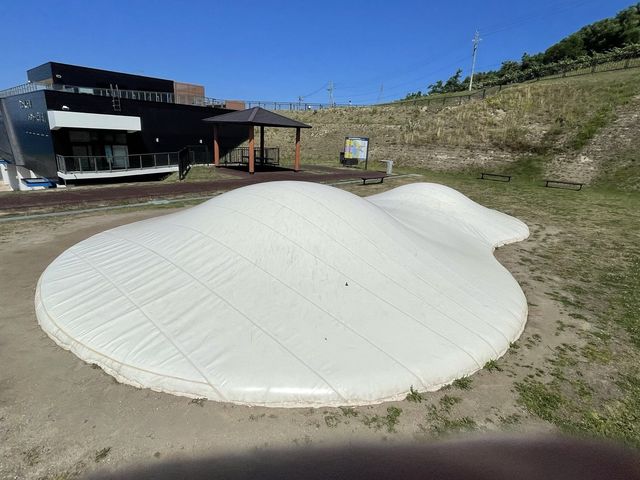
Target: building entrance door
x=118, y=156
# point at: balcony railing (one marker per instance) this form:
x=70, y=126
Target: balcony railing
x=116, y=163
x=142, y=95
x=166, y=97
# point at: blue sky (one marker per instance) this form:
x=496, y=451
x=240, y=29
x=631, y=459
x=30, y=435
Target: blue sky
x=279, y=50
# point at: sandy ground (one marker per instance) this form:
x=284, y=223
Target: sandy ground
x=60, y=417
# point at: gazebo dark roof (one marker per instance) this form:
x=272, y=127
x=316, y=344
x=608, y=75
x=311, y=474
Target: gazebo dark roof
x=258, y=117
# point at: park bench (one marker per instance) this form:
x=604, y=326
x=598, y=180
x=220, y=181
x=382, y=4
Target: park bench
x=495, y=176
x=563, y=184
x=379, y=178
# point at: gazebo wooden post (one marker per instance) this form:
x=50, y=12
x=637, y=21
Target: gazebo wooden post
x=261, y=144
x=252, y=153
x=216, y=147
x=296, y=164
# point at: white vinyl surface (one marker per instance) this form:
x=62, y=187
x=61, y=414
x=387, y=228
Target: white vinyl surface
x=292, y=294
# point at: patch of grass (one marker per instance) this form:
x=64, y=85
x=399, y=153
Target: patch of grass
x=200, y=173
x=528, y=168
x=349, y=411
x=102, y=454
x=597, y=353
x=447, y=402
x=198, y=401
x=626, y=302
x=332, y=421
x=510, y=420
x=389, y=421
x=462, y=383
x=591, y=126
x=414, y=396
x=492, y=365
x=440, y=421
x=539, y=398
x=32, y=456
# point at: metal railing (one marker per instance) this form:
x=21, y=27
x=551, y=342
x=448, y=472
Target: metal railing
x=165, y=97
x=20, y=89
x=115, y=163
x=297, y=106
x=141, y=95
x=240, y=156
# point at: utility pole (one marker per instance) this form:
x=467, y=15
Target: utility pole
x=381, y=92
x=476, y=42
x=330, y=90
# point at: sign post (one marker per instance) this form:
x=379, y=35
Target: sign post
x=357, y=148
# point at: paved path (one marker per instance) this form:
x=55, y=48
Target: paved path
x=10, y=201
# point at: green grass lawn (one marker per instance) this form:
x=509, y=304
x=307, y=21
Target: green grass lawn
x=200, y=173
x=586, y=254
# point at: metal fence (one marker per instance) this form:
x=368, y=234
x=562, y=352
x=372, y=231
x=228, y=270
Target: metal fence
x=115, y=163
x=459, y=98
x=599, y=68
x=240, y=156
x=296, y=106
x=192, y=155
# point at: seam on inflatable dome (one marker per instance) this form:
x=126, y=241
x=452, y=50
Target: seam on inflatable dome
x=361, y=286
x=392, y=280
x=351, y=329
x=70, y=345
x=186, y=357
x=264, y=330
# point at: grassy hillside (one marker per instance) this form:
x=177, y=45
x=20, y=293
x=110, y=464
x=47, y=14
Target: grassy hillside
x=532, y=129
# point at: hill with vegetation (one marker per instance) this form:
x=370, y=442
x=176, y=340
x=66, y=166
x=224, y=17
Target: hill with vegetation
x=582, y=128
x=611, y=39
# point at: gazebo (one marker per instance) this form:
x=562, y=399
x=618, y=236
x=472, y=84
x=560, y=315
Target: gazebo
x=255, y=117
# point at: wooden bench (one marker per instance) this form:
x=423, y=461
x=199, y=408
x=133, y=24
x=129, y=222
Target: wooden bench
x=495, y=176
x=379, y=178
x=562, y=183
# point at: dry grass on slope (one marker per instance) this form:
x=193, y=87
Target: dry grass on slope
x=546, y=118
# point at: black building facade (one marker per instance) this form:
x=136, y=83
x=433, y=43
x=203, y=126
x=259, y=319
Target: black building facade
x=72, y=123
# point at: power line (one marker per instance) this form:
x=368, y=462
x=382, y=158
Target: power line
x=302, y=97
x=403, y=85
x=410, y=68
x=532, y=17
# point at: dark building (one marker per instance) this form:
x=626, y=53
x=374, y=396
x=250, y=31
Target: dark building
x=71, y=123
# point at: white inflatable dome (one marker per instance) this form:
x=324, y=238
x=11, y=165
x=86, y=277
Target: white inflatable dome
x=292, y=294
